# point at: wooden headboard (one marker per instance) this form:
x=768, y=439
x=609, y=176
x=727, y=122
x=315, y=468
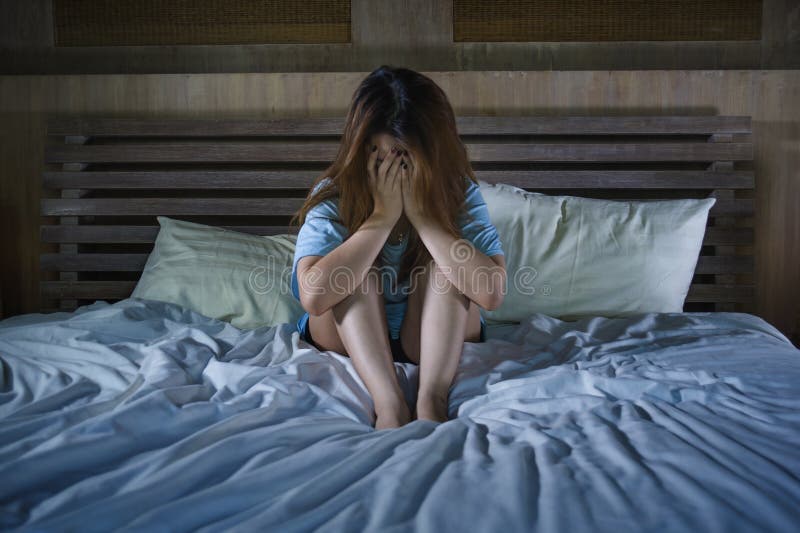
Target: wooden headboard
x=106, y=179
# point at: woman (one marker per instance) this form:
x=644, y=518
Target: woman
x=395, y=253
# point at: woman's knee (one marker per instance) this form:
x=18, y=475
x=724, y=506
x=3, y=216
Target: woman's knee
x=438, y=280
x=325, y=333
x=329, y=324
x=346, y=282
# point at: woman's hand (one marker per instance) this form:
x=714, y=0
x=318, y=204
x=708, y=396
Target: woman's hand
x=410, y=206
x=385, y=185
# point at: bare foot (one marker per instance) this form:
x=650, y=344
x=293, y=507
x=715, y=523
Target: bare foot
x=432, y=407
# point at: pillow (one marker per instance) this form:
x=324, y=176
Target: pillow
x=568, y=256
x=239, y=278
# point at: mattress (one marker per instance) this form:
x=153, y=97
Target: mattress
x=146, y=416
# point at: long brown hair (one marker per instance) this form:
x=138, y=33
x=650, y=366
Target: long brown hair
x=412, y=108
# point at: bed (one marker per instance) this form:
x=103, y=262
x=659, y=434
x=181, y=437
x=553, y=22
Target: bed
x=127, y=413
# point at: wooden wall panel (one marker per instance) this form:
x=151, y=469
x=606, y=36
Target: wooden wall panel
x=418, y=33
x=606, y=20
x=772, y=98
x=159, y=22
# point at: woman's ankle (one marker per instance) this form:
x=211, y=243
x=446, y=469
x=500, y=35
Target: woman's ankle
x=436, y=396
x=392, y=414
x=390, y=404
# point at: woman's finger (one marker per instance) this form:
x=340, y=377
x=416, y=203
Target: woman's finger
x=399, y=178
x=373, y=158
x=387, y=161
x=404, y=182
x=408, y=172
x=395, y=168
x=405, y=174
x=387, y=166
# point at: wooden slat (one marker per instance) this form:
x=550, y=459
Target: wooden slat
x=609, y=152
x=619, y=179
x=197, y=152
x=70, y=193
x=136, y=127
x=741, y=207
x=324, y=152
x=93, y=262
x=719, y=236
x=603, y=125
x=171, y=206
x=542, y=179
x=720, y=293
x=732, y=264
x=201, y=179
x=467, y=125
x=87, y=289
x=253, y=206
x=135, y=234
x=123, y=289
x=726, y=250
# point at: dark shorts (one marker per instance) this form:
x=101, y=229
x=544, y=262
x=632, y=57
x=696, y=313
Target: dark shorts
x=396, y=346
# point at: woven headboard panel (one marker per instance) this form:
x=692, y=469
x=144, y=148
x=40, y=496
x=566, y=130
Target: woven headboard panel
x=106, y=180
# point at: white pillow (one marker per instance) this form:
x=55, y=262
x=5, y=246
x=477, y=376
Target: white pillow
x=568, y=256
x=236, y=277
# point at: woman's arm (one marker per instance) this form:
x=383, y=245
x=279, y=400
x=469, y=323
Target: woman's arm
x=324, y=281
x=479, y=277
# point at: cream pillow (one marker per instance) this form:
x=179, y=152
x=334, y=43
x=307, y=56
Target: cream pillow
x=568, y=256
x=240, y=278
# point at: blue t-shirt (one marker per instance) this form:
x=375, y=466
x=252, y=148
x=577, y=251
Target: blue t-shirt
x=323, y=231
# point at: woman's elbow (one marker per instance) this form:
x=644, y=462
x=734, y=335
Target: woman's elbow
x=495, y=295
x=312, y=303
x=494, y=300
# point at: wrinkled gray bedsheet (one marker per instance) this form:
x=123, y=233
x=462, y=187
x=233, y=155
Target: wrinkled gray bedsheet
x=145, y=416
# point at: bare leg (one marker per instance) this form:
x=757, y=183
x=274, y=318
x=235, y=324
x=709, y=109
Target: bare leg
x=356, y=327
x=438, y=320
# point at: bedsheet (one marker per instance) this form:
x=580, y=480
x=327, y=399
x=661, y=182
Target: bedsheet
x=145, y=416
